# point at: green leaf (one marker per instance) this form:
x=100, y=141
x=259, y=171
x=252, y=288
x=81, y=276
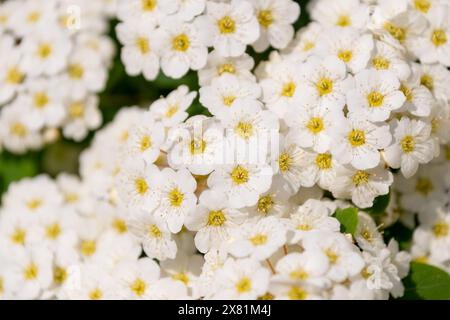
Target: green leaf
x=348, y=218
x=426, y=282
x=13, y=168
x=379, y=205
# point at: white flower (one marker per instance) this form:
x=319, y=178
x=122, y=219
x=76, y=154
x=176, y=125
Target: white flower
x=46, y=53
x=241, y=279
x=213, y=221
x=258, y=240
x=275, y=19
x=412, y=146
x=419, y=99
x=376, y=94
x=138, y=182
x=229, y=27
x=357, y=142
x=185, y=268
x=317, y=168
x=156, y=239
x=436, y=78
x=175, y=191
x=181, y=48
x=312, y=216
x=434, y=45
x=344, y=259
x=389, y=58
x=346, y=13
x=171, y=110
x=241, y=183
x=367, y=235
x=145, y=140
x=186, y=10
x=82, y=115
x=218, y=65
x=326, y=81
x=225, y=92
x=146, y=11
x=288, y=164
x=310, y=126
x=349, y=46
x=140, y=53
x=11, y=73
x=136, y=279
x=362, y=186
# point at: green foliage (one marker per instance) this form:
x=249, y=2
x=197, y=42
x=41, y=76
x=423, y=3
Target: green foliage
x=348, y=218
x=379, y=205
x=426, y=282
x=402, y=234
x=14, y=168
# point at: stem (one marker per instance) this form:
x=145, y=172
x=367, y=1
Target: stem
x=270, y=266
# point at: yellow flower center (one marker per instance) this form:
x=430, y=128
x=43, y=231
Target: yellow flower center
x=120, y=225
x=284, y=161
x=226, y=25
x=244, y=285
x=53, y=231
x=265, y=18
x=154, y=231
x=381, y=63
x=71, y=197
x=40, y=100
x=360, y=178
x=324, y=86
x=14, y=76
x=88, y=247
x=18, y=130
x=332, y=256
x=439, y=37
x=427, y=81
x=441, y=229
x=239, y=175
x=407, y=92
x=304, y=227
x=181, y=276
x=315, y=125
x=141, y=186
x=422, y=5
x=395, y=31
x=143, y=45
x=365, y=273
x=323, y=161
x=198, y=147
x=265, y=204
x=226, y=68
x=300, y=274
x=297, y=293
x=76, y=110
x=171, y=111
x=308, y=45
x=44, y=50
x=228, y=100
x=59, y=275
x=375, y=99
x=345, y=55
x=407, y=144
x=148, y=5
x=18, y=236
x=244, y=129
x=34, y=204
x=181, y=43
x=288, y=89
x=424, y=186
x=266, y=296
x=258, y=239
x=95, y=294
x=343, y=21
x=145, y=143
x=76, y=71
x=357, y=138
x=175, y=197
x=33, y=17
x=216, y=218
x=31, y=272
x=138, y=287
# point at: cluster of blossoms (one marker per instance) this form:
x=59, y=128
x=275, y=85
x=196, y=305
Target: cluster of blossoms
x=55, y=58
x=241, y=204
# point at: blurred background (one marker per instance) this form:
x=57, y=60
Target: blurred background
x=121, y=91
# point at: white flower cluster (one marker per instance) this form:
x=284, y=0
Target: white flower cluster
x=175, y=35
x=54, y=59
x=240, y=204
